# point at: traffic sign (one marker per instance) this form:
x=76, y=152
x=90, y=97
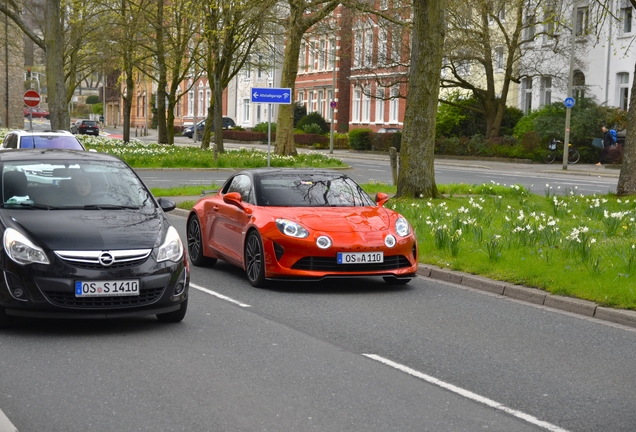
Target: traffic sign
x=569, y=102
x=271, y=95
x=333, y=104
x=31, y=98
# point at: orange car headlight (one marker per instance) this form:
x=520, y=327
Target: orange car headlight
x=291, y=228
x=323, y=242
x=402, y=227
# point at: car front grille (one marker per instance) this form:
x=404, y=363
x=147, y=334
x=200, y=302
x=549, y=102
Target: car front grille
x=329, y=264
x=99, y=260
x=68, y=299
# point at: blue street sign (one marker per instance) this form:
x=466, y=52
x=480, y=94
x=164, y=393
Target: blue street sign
x=271, y=95
x=569, y=102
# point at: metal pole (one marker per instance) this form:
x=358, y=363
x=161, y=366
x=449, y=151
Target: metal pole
x=269, y=131
x=568, y=110
x=331, y=104
x=194, y=118
x=6, y=65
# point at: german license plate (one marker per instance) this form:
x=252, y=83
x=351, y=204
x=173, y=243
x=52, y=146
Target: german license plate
x=360, y=257
x=109, y=288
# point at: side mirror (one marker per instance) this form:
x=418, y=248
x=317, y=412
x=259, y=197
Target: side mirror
x=166, y=204
x=233, y=198
x=381, y=198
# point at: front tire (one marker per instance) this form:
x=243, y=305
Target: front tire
x=195, y=244
x=175, y=316
x=573, y=156
x=254, y=260
x=549, y=157
x=5, y=320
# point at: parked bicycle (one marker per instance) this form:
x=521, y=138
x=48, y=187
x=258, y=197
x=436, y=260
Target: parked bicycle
x=554, y=150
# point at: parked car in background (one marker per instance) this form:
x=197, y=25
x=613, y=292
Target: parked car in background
x=228, y=122
x=84, y=238
x=36, y=113
x=294, y=224
x=389, y=130
x=21, y=139
x=85, y=127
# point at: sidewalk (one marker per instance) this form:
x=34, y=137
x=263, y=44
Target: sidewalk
x=495, y=164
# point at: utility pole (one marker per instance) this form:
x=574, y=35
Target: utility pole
x=568, y=109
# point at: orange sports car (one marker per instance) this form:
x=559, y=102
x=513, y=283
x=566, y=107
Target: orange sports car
x=291, y=224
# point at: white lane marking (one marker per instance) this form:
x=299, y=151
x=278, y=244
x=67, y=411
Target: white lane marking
x=467, y=394
x=221, y=296
x=5, y=424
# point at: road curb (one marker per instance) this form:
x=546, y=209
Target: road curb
x=530, y=295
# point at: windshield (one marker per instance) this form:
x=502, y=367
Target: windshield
x=311, y=190
x=72, y=184
x=51, y=141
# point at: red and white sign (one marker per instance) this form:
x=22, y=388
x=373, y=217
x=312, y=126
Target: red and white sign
x=31, y=98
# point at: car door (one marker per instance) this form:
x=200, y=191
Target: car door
x=227, y=221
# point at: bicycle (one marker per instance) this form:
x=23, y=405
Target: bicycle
x=554, y=149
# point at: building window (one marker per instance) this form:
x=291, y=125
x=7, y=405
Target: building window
x=301, y=98
x=258, y=113
x=321, y=102
x=368, y=48
x=302, y=57
x=357, y=49
x=578, y=82
x=191, y=102
x=355, y=117
x=530, y=30
x=323, y=54
x=201, y=105
x=366, y=106
x=623, y=91
x=527, y=95
x=312, y=56
x=396, y=43
x=581, y=21
x=394, y=105
x=546, y=90
x=382, y=45
x=332, y=53
x=499, y=58
x=310, y=102
x=259, y=73
x=246, y=110
x=626, y=18
x=330, y=99
x=379, y=106
x=384, y=4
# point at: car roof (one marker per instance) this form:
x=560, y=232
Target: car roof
x=54, y=155
x=273, y=172
x=22, y=132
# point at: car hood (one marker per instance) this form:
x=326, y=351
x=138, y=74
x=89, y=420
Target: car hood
x=339, y=219
x=89, y=229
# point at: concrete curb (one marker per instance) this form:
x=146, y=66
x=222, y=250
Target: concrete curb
x=530, y=295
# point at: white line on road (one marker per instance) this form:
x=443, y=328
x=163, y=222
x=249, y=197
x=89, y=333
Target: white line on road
x=5, y=424
x=221, y=296
x=467, y=394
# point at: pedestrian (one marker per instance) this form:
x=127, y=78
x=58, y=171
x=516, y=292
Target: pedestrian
x=607, y=142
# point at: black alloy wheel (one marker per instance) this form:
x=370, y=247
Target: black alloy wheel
x=254, y=260
x=195, y=244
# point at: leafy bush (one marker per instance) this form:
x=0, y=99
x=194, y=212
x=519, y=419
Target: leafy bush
x=312, y=128
x=262, y=127
x=98, y=108
x=359, y=139
x=299, y=112
x=313, y=118
x=92, y=99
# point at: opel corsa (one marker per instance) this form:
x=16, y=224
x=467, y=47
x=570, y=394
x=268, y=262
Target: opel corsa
x=84, y=238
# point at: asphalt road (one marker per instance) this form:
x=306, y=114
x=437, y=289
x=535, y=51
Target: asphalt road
x=304, y=356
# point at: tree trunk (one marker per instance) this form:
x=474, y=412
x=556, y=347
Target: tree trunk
x=162, y=83
x=54, y=53
x=417, y=175
x=217, y=92
x=128, y=99
x=285, y=144
x=627, y=177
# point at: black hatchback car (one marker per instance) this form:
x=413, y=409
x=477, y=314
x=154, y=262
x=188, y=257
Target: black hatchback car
x=84, y=238
x=85, y=127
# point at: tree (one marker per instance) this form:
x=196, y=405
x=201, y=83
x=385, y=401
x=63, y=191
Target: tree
x=302, y=15
x=231, y=28
x=417, y=176
x=627, y=177
x=492, y=44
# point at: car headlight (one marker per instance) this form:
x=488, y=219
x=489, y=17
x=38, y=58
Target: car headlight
x=402, y=227
x=21, y=250
x=172, y=248
x=291, y=228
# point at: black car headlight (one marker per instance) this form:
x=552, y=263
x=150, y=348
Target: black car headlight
x=21, y=250
x=172, y=248
x=291, y=228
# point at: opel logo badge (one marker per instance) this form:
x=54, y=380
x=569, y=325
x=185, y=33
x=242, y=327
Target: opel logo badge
x=106, y=259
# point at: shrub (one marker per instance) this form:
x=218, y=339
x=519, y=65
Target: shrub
x=262, y=127
x=299, y=112
x=312, y=128
x=98, y=108
x=313, y=118
x=530, y=141
x=359, y=139
x=92, y=99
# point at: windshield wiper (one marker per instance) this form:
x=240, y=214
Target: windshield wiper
x=109, y=207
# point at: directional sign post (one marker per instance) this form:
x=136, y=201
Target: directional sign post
x=270, y=95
